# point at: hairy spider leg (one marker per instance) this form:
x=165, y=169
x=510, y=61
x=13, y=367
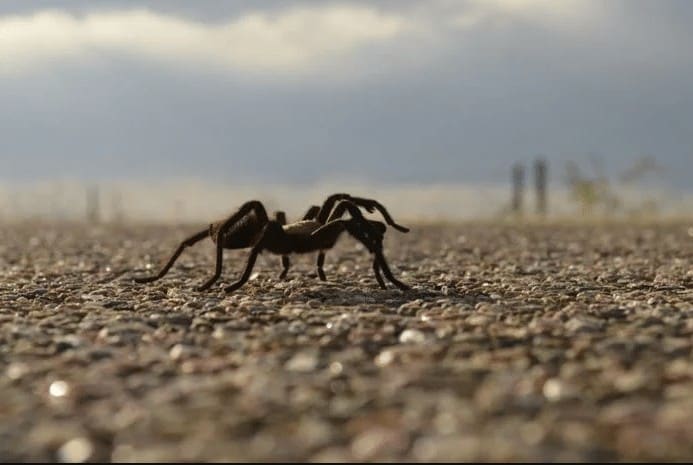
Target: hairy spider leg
x=356, y=215
x=312, y=213
x=375, y=245
x=321, y=262
x=280, y=217
x=261, y=215
x=379, y=263
x=378, y=276
x=248, y=270
x=383, y=211
x=190, y=241
x=325, y=211
x=369, y=204
x=388, y=273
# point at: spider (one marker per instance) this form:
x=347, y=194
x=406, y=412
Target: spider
x=250, y=227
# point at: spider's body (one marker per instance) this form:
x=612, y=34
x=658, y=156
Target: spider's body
x=320, y=230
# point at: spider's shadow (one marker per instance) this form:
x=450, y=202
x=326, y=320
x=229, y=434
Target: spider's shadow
x=368, y=295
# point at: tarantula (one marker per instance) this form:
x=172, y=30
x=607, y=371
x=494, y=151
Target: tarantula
x=250, y=227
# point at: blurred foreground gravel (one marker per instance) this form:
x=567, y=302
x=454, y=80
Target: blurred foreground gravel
x=517, y=343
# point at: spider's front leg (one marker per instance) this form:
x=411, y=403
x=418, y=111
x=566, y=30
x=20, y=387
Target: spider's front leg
x=326, y=213
x=371, y=205
x=379, y=262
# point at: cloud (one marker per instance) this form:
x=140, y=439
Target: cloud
x=291, y=41
x=557, y=14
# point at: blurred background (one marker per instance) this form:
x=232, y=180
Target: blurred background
x=180, y=111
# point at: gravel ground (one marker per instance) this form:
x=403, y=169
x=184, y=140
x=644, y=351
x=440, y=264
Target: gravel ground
x=518, y=342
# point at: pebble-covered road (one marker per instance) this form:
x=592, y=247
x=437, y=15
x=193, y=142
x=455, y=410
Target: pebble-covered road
x=518, y=342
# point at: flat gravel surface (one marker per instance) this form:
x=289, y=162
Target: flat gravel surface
x=517, y=342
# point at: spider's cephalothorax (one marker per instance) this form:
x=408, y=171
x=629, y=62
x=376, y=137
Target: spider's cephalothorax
x=250, y=227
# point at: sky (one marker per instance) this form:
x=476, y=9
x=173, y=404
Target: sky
x=393, y=91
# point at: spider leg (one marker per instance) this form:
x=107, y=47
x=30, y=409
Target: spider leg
x=248, y=270
x=217, y=269
x=347, y=205
x=286, y=264
x=383, y=211
x=378, y=276
x=246, y=208
x=380, y=258
x=280, y=217
x=312, y=213
x=376, y=263
x=321, y=262
x=324, y=211
x=379, y=261
x=190, y=241
x=323, y=214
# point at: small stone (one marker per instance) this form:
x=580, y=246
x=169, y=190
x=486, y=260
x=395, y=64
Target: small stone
x=336, y=368
x=59, y=389
x=384, y=358
x=77, y=450
x=302, y=362
x=582, y=324
x=17, y=370
x=180, y=351
x=412, y=336
x=554, y=390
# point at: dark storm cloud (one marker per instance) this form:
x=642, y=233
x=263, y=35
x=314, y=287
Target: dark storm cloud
x=460, y=101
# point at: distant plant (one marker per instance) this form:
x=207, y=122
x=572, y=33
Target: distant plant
x=597, y=192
